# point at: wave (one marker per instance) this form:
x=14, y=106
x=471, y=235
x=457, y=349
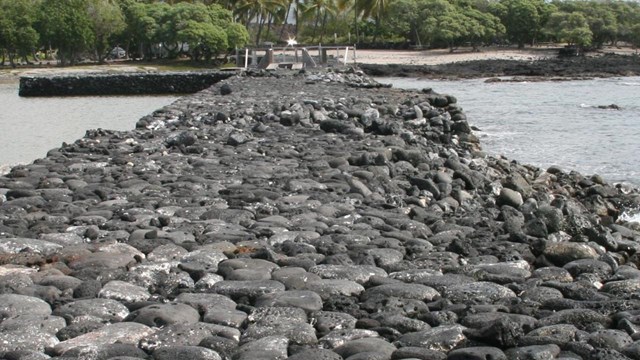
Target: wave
x=6, y=168
x=632, y=215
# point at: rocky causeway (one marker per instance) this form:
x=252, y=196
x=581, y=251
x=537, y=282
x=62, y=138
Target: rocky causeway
x=316, y=216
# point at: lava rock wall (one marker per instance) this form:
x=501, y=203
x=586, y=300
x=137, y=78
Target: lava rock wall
x=120, y=84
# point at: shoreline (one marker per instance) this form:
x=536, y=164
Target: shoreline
x=437, y=63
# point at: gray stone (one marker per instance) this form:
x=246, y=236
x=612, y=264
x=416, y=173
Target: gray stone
x=40, y=323
x=279, y=321
x=565, y=252
x=304, y=299
x=13, y=304
x=105, y=351
x=62, y=282
x=534, y=352
x=249, y=288
x=103, y=309
x=123, y=291
x=510, y=197
x=159, y=315
x=581, y=318
x=368, y=345
x=560, y=333
x=327, y=288
x=477, y=293
x=477, y=353
x=294, y=277
x=621, y=287
x=275, y=346
x=402, y=290
x=26, y=339
x=185, y=352
x=315, y=354
x=126, y=333
x=186, y=335
x=339, y=337
x=443, y=338
x=224, y=316
x=610, y=339
x=357, y=273
x=16, y=245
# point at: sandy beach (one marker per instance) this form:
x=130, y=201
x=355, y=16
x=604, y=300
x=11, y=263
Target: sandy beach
x=444, y=56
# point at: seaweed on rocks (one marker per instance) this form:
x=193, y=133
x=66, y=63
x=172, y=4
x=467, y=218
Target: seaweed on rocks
x=311, y=214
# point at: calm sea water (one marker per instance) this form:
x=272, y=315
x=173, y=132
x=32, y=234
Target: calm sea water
x=553, y=123
x=29, y=127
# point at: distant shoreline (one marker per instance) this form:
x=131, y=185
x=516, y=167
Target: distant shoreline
x=433, y=63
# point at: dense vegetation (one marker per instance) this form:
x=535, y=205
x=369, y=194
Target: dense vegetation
x=205, y=29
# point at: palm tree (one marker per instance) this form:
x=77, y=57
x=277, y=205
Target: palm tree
x=321, y=9
x=356, y=7
x=373, y=9
x=261, y=11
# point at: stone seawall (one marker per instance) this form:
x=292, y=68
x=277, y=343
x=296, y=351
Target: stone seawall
x=311, y=216
x=121, y=84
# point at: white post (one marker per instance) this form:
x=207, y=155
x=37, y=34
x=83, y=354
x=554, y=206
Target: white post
x=354, y=53
x=346, y=54
x=246, y=58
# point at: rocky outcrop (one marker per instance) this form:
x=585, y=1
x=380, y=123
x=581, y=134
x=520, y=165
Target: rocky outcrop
x=582, y=67
x=311, y=216
x=120, y=84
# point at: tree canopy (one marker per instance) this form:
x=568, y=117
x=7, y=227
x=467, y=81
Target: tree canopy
x=205, y=29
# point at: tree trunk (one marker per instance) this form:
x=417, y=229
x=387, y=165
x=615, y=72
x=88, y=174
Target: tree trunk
x=269, y=25
x=324, y=23
x=355, y=20
x=286, y=20
x=13, y=64
x=297, y=17
x=375, y=33
x=260, y=25
x=315, y=24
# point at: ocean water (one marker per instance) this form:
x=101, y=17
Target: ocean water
x=29, y=127
x=554, y=123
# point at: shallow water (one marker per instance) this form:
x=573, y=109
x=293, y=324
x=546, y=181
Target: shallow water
x=553, y=123
x=33, y=126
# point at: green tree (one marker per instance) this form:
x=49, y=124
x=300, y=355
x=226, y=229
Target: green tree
x=65, y=25
x=523, y=19
x=18, y=38
x=635, y=36
x=107, y=21
x=143, y=25
x=205, y=39
x=208, y=30
x=405, y=20
x=319, y=11
x=482, y=27
x=375, y=9
x=571, y=28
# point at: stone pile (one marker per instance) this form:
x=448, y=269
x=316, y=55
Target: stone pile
x=311, y=216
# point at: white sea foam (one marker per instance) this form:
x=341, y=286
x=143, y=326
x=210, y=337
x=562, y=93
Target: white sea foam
x=631, y=215
x=4, y=169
